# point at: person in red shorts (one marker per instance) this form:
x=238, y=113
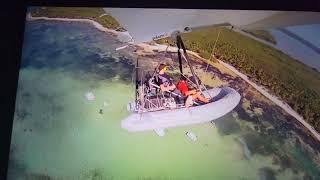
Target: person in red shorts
x=192, y=94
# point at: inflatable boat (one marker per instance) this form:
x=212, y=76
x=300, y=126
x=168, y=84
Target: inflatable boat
x=223, y=100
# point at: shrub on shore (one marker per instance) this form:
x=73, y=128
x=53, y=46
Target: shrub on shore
x=96, y=14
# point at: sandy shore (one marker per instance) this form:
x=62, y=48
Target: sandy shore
x=162, y=48
x=94, y=23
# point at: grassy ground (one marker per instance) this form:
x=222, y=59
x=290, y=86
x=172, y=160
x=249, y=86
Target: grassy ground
x=78, y=12
x=262, y=34
x=286, y=77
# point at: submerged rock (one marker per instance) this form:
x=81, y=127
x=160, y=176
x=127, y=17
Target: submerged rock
x=258, y=144
x=266, y=173
x=235, y=114
x=227, y=125
x=285, y=162
x=307, y=177
x=38, y=176
x=22, y=114
x=246, y=150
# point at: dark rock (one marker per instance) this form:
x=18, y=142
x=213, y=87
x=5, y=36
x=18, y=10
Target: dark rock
x=266, y=173
x=285, y=162
x=38, y=177
x=242, y=113
x=22, y=113
x=275, y=160
x=259, y=144
x=307, y=177
x=246, y=150
x=256, y=128
x=271, y=132
x=227, y=125
x=297, y=142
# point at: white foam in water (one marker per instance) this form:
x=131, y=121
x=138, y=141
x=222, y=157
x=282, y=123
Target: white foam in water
x=90, y=96
x=246, y=150
x=160, y=132
x=105, y=104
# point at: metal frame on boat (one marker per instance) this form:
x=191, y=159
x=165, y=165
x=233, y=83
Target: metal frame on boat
x=154, y=110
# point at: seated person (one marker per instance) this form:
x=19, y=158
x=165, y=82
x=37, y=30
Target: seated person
x=165, y=81
x=192, y=94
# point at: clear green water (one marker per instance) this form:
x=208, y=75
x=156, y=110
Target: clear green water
x=58, y=134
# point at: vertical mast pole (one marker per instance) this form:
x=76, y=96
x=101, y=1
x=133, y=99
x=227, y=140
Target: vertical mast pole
x=180, y=42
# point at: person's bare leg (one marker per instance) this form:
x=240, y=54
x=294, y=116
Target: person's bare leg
x=172, y=87
x=167, y=88
x=189, y=101
x=201, y=98
x=191, y=92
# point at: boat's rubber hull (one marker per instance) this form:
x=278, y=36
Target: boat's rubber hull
x=226, y=99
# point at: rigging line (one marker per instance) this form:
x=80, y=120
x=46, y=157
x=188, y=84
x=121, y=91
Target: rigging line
x=192, y=83
x=195, y=86
x=166, y=51
x=180, y=61
x=180, y=44
x=195, y=77
x=133, y=84
x=179, y=55
x=214, y=46
x=137, y=78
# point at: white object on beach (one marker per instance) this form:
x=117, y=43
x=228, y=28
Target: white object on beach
x=122, y=47
x=90, y=96
x=105, y=14
x=160, y=132
x=192, y=136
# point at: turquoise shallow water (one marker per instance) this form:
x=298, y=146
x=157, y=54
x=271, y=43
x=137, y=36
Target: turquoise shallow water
x=58, y=134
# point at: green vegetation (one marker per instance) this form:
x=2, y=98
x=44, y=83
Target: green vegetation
x=262, y=34
x=96, y=14
x=286, y=77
